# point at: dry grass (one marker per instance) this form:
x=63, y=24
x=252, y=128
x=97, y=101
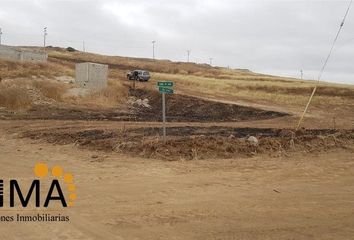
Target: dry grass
x=50, y=89
x=22, y=93
x=15, y=97
x=10, y=69
x=221, y=82
x=112, y=96
x=262, y=88
x=124, y=63
x=198, y=79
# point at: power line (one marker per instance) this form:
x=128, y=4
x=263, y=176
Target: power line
x=325, y=64
x=153, y=49
x=334, y=42
x=0, y=35
x=188, y=53
x=44, y=36
x=210, y=61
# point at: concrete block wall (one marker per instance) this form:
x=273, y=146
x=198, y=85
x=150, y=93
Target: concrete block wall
x=22, y=55
x=29, y=56
x=9, y=53
x=91, y=75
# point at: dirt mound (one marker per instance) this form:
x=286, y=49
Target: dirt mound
x=199, y=142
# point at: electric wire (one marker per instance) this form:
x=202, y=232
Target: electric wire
x=324, y=65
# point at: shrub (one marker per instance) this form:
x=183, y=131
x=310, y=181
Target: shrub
x=71, y=49
x=13, y=97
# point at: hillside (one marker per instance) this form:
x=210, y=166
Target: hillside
x=230, y=142
x=47, y=81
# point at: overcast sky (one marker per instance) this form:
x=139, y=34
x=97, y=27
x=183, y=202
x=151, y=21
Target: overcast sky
x=277, y=37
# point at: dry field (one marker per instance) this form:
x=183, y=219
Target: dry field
x=207, y=181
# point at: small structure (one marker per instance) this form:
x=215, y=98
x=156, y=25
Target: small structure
x=91, y=75
x=22, y=54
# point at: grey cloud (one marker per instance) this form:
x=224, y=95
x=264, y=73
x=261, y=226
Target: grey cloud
x=279, y=37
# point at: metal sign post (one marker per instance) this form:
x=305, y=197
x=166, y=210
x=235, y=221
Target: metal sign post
x=164, y=88
x=164, y=116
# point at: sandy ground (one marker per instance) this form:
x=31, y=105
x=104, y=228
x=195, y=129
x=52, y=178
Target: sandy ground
x=120, y=197
x=293, y=196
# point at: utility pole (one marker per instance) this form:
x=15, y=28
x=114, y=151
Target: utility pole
x=210, y=61
x=0, y=35
x=83, y=46
x=188, y=53
x=153, y=49
x=44, y=36
x=302, y=73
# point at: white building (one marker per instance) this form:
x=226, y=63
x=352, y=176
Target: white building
x=91, y=75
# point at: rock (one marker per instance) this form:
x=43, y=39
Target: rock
x=253, y=141
x=143, y=103
x=65, y=79
x=124, y=145
x=146, y=103
x=139, y=102
x=231, y=136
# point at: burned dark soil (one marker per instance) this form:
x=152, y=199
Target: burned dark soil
x=180, y=108
x=190, y=143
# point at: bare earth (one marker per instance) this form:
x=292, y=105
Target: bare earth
x=208, y=181
x=301, y=196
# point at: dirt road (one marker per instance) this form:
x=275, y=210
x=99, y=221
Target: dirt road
x=120, y=197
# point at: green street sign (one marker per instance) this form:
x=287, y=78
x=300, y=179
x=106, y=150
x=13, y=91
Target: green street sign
x=165, y=84
x=166, y=90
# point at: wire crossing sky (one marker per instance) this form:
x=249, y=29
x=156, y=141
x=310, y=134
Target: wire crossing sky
x=325, y=64
x=276, y=37
x=335, y=41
